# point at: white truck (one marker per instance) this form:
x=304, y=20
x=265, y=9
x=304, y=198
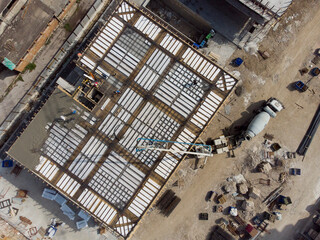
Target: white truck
x=271, y=108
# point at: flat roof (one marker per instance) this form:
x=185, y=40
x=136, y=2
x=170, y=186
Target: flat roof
x=167, y=91
x=18, y=37
x=4, y=4
x=27, y=149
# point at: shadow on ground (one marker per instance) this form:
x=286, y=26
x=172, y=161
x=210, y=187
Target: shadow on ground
x=241, y=124
x=6, y=73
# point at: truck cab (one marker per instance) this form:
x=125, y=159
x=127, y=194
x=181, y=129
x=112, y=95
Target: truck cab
x=271, y=108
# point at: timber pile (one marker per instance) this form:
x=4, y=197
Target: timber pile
x=168, y=202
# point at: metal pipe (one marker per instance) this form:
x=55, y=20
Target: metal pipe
x=306, y=141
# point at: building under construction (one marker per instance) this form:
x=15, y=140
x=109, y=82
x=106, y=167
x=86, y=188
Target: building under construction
x=136, y=77
x=239, y=21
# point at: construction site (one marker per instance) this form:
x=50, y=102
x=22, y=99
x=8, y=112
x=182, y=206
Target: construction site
x=160, y=120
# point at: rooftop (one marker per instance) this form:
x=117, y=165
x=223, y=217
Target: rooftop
x=3, y=5
x=26, y=27
x=134, y=79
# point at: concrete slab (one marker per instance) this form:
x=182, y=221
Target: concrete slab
x=58, y=104
x=24, y=29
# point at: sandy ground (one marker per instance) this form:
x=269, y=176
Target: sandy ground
x=291, y=45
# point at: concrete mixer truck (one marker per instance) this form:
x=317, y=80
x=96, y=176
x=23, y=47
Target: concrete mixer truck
x=258, y=123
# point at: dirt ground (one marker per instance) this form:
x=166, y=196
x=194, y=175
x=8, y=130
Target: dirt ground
x=291, y=45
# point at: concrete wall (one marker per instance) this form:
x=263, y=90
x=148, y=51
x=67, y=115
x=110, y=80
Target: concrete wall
x=188, y=14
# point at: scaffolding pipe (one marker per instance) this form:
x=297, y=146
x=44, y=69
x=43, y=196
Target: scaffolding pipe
x=306, y=141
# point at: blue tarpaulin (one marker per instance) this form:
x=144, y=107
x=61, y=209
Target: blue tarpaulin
x=81, y=224
x=49, y=193
x=68, y=211
x=85, y=216
x=60, y=199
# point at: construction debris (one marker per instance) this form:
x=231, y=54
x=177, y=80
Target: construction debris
x=238, y=179
x=264, y=181
x=196, y=163
x=21, y=193
x=102, y=230
x=303, y=71
x=230, y=187
x=211, y=196
x=291, y=155
x=269, y=216
x=264, y=167
x=268, y=136
x=233, y=211
x=282, y=177
x=264, y=54
x=16, y=170
x=217, y=208
x=247, y=205
x=25, y=220
x=219, y=233
x=251, y=230
x=221, y=199
x=203, y=216
x=254, y=192
x=242, y=188
x=13, y=211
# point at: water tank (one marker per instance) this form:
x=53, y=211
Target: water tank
x=257, y=125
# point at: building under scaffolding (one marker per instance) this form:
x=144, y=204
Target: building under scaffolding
x=135, y=78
